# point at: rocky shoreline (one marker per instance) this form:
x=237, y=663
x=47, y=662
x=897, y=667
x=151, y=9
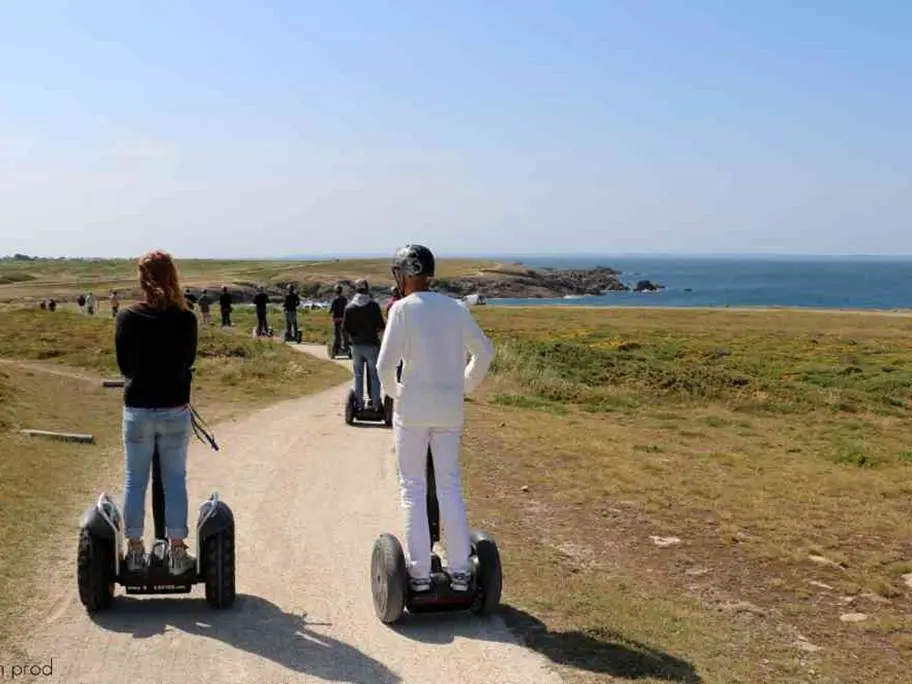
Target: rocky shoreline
x=513, y=282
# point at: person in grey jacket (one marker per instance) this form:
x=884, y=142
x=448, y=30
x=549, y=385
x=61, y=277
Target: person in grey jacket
x=363, y=322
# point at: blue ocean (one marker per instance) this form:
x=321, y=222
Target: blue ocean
x=801, y=282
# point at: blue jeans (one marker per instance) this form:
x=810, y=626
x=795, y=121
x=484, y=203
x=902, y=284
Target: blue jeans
x=366, y=353
x=142, y=429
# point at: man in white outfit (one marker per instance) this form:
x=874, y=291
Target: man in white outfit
x=431, y=335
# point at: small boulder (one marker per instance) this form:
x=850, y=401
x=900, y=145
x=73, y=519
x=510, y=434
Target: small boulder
x=853, y=617
x=665, y=541
x=824, y=561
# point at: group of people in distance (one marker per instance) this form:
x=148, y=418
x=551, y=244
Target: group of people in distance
x=420, y=362
x=290, y=304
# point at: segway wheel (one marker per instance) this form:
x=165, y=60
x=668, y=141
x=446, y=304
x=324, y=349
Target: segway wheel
x=219, y=569
x=350, y=409
x=389, y=579
x=488, y=574
x=330, y=352
x=95, y=572
x=388, y=411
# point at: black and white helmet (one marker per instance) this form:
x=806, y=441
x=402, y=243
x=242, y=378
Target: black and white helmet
x=413, y=260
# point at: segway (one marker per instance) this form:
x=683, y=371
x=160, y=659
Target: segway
x=269, y=333
x=390, y=581
x=353, y=412
x=333, y=351
x=298, y=337
x=100, y=561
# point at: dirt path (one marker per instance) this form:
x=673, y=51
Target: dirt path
x=48, y=369
x=310, y=496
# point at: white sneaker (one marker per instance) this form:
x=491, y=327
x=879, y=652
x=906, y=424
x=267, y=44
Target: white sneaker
x=135, y=560
x=460, y=581
x=180, y=560
x=420, y=585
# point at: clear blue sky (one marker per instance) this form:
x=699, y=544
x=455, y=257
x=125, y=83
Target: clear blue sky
x=262, y=128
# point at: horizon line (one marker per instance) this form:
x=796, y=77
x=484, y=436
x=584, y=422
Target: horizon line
x=502, y=255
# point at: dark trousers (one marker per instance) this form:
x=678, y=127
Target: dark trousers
x=291, y=323
x=341, y=339
x=262, y=325
x=226, y=318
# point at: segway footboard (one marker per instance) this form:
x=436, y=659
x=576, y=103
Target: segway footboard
x=441, y=598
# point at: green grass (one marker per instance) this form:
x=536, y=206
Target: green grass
x=43, y=483
x=230, y=369
x=316, y=326
x=758, y=438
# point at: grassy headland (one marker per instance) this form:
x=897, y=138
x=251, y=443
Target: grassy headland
x=64, y=279
x=699, y=490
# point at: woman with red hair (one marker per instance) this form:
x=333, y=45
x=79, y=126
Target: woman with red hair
x=155, y=342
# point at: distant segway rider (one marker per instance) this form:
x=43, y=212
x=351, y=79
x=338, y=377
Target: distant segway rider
x=431, y=334
x=156, y=344
x=190, y=298
x=81, y=301
x=205, y=304
x=115, y=303
x=90, y=304
x=363, y=322
x=225, y=307
x=337, y=311
x=261, y=301
x=292, y=302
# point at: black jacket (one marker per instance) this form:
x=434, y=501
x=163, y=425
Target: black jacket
x=337, y=307
x=363, y=321
x=291, y=301
x=156, y=351
x=225, y=301
x=260, y=300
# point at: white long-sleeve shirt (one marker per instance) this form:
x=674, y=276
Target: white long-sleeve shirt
x=432, y=335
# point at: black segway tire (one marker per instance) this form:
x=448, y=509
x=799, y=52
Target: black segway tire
x=488, y=574
x=389, y=579
x=388, y=411
x=95, y=572
x=350, y=409
x=219, y=570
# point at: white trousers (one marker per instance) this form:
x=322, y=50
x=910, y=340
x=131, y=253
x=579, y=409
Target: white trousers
x=411, y=450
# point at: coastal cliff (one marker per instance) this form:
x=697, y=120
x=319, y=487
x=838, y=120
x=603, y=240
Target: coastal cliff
x=515, y=281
